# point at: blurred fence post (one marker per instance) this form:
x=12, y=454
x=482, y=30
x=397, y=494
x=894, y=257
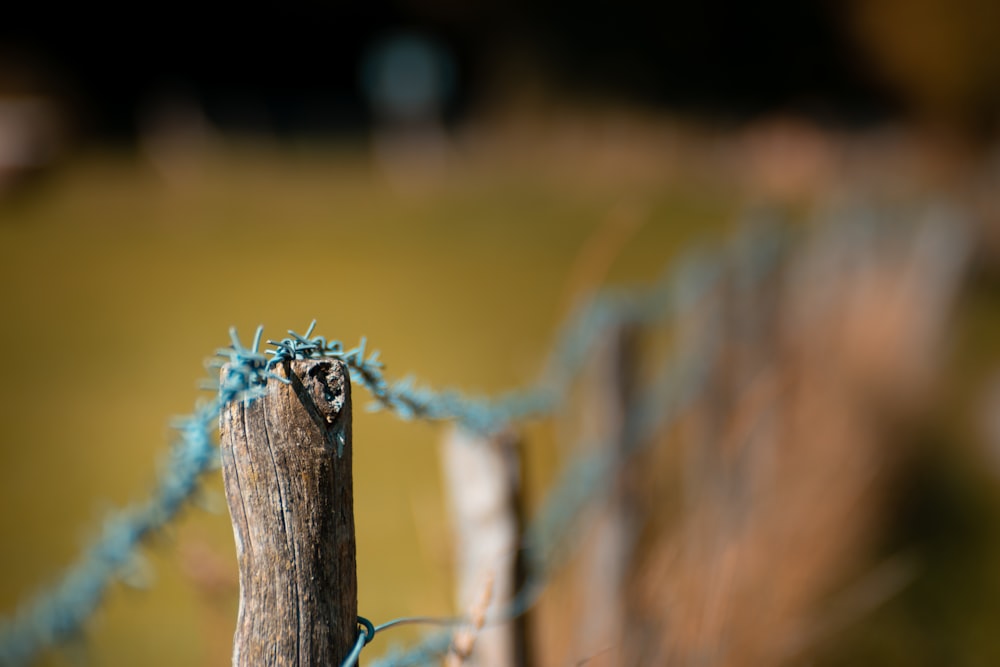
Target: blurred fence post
x=286, y=464
x=483, y=477
x=608, y=393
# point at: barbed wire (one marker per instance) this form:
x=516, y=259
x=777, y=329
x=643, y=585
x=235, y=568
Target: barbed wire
x=60, y=612
x=750, y=261
x=544, y=544
x=544, y=541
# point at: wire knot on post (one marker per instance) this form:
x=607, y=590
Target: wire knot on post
x=367, y=629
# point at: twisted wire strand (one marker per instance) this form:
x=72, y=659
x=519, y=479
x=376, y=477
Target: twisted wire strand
x=752, y=259
x=676, y=384
x=60, y=612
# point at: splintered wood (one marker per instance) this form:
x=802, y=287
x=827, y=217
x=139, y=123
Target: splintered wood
x=464, y=639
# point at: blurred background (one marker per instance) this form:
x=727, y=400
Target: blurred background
x=450, y=179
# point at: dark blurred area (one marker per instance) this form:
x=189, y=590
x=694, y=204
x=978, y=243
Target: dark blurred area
x=298, y=68
x=172, y=75
x=73, y=75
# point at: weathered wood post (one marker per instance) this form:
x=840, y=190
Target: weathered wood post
x=286, y=464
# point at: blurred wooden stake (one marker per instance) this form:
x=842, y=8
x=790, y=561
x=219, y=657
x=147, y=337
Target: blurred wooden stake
x=482, y=475
x=607, y=555
x=286, y=464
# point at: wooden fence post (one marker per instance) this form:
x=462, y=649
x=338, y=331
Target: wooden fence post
x=286, y=464
x=602, y=617
x=483, y=477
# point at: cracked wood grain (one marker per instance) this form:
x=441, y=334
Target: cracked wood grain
x=286, y=465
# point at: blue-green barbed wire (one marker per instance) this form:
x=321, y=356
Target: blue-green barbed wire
x=59, y=612
x=546, y=542
x=752, y=260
